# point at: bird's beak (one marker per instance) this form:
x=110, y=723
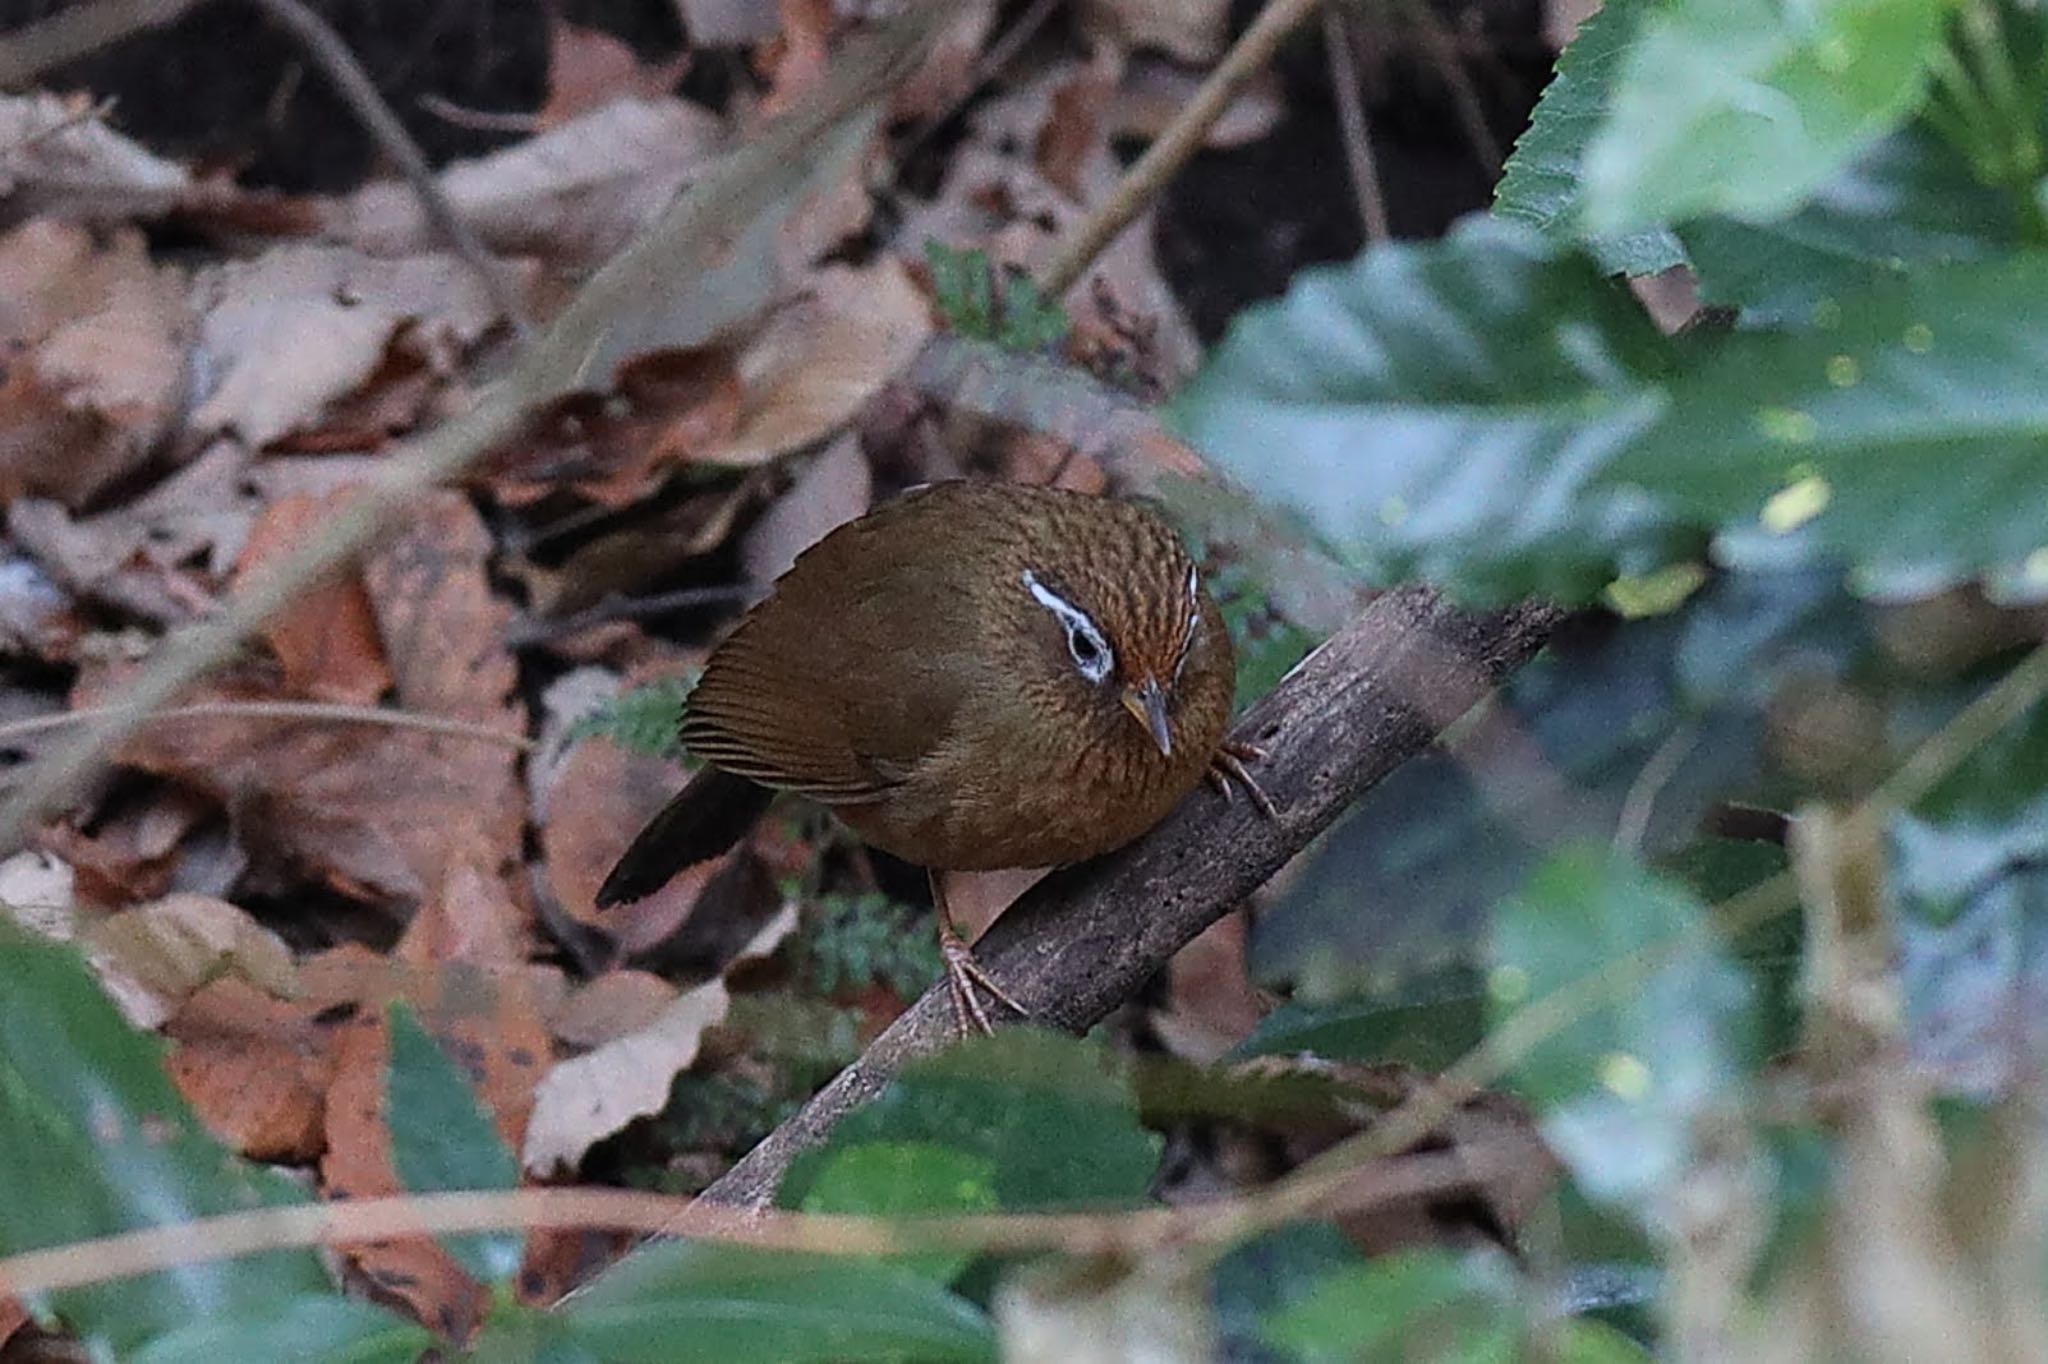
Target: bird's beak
x=1147, y=705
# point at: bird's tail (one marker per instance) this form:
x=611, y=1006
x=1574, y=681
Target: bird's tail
x=709, y=815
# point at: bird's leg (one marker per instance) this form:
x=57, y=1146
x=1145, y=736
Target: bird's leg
x=1229, y=766
x=964, y=973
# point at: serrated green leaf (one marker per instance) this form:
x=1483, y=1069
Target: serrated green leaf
x=677, y=1302
x=896, y=1178
x=1622, y=1084
x=311, y=1329
x=94, y=1140
x=1541, y=185
x=1055, y=1121
x=1435, y=410
x=442, y=1140
x=1744, y=107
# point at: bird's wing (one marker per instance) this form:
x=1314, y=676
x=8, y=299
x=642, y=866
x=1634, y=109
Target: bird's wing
x=839, y=684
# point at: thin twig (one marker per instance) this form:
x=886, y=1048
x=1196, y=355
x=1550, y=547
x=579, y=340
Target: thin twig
x=1338, y=38
x=320, y=711
x=479, y=120
x=1641, y=801
x=543, y=630
x=1966, y=732
x=1172, y=148
x=205, y=1240
x=360, y=93
x=77, y=32
x=1465, y=105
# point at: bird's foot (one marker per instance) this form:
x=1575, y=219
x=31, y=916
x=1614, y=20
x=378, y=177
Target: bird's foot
x=1229, y=766
x=964, y=975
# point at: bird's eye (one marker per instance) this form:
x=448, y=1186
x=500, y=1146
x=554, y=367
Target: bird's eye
x=1091, y=655
x=1090, y=651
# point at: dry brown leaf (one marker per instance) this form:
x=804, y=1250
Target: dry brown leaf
x=303, y=326
x=671, y=407
x=588, y=69
x=1211, y=1003
x=728, y=23
x=586, y=1099
x=834, y=488
x=133, y=851
x=601, y=796
x=1074, y=130
x=824, y=355
x=952, y=60
x=154, y=957
x=610, y=1007
x=375, y=813
x=463, y=955
x=36, y=891
x=13, y=1316
x=326, y=639
x=59, y=159
x=796, y=60
x=573, y=195
x=255, y=1069
x=97, y=341
x=1191, y=30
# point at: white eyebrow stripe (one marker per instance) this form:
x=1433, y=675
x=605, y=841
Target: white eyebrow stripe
x=1075, y=620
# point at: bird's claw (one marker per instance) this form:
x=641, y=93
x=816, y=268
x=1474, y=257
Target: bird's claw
x=1228, y=766
x=963, y=975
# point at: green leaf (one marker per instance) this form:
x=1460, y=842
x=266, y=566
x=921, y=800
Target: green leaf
x=94, y=1140
x=1848, y=440
x=1050, y=1116
x=1013, y=314
x=646, y=720
x=678, y=1302
x=1434, y=411
x=1410, y=1305
x=1623, y=1082
x=1745, y=107
x=324, y=1328
x=442, y=1140
x=1541, y=183
x=895, y=1178
x=1910, y=201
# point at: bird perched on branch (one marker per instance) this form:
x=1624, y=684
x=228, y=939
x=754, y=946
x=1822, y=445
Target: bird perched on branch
x=974, y=676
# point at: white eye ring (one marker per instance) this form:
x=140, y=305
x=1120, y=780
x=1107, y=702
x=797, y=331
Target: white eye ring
x=1090, y=651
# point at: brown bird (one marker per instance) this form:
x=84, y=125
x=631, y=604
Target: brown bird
x=971, y=677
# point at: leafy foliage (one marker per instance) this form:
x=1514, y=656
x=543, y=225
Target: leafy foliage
x=1635, y=1071
x=984, y=303
x=1744, y=107
x=646, y=720
x=852, y=942
x=94, y=1141
x=680, y=1301
x=322, y=1328
x=442, y=1141
x=1543, y=183
x=1054, y=1122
